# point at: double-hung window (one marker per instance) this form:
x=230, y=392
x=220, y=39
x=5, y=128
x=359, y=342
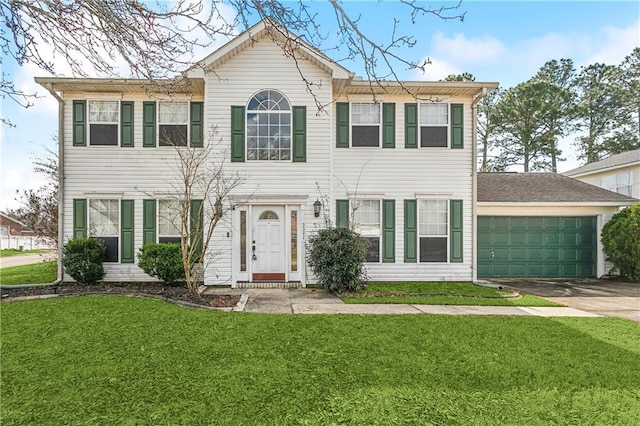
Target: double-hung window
x=620, y=183
x=434, y=125
x=104, y=223
x=173, y=123
x=269, y=127
x=367, y=221
x=104, y=119
x=169, y=221
x=365, y=124
x=433, y=229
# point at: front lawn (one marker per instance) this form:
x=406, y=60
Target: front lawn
x=119, y=360
x=35, y=273
x=440, y=293
x=16, y=252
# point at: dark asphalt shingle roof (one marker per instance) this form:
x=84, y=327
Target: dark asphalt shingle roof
x=618, y=160
x=543, y=188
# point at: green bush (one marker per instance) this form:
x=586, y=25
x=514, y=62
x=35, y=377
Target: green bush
x=336, y=257
x=621, y=242
x=162, y=260
x=82, y=259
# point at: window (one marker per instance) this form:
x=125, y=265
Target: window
x=269, y=127
x=243, y=240
x=103, y=122
x=434, y=122
x=294, y=241
x=173, y=121
x=432, y=230
x=367, y=224
x=104, y=223
x=169, y=221
x=365, y=124
x=620, y=183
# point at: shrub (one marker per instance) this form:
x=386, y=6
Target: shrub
x=82, y=259
x=336, y=257
x=162, y=260
x=621, y=242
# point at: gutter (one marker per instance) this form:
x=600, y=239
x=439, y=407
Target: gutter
x=474, y=179
x=49, y=87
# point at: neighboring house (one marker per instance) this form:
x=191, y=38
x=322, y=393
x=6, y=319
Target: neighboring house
x=13, y=227
x=619, y=173
x=400, y=169
x=542, y=225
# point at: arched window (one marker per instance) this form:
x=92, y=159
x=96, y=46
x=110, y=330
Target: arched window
x=268, y=127
x=269, y=215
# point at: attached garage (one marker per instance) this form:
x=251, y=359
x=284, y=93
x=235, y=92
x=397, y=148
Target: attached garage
x=541, y=225
x=537, y=246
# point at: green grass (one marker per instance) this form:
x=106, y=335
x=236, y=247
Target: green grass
x=441, y=293
x=118, y=360
x=16, y=252
x=36, y=273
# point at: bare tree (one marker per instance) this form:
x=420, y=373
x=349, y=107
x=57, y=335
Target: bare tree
x=159, y=40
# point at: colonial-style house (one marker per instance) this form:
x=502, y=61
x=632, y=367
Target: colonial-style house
x=396, y=160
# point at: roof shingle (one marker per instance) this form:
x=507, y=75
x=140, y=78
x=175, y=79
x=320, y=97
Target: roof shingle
x=618, y=160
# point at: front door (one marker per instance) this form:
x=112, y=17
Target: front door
x=268, y=248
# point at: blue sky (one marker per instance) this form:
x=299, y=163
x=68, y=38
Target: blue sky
x=503, y=41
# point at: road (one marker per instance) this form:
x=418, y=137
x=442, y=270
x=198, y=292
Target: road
x=25, y=259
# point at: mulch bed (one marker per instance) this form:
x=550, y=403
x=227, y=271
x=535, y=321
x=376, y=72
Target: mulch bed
x=151, y=289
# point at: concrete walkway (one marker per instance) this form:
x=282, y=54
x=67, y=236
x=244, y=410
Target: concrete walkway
x=318, y=301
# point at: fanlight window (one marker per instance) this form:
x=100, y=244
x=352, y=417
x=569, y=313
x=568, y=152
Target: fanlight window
x=269, y=127
x=268, y=215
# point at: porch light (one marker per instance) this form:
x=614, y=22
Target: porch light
x=317, y=206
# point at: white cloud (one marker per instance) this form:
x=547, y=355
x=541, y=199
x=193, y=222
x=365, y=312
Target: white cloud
x=614, y=44
x=437, y=70
x=462, y=50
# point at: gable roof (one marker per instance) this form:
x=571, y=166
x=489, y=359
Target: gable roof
x=543, y=188
x=624, y=159
x=262, y=29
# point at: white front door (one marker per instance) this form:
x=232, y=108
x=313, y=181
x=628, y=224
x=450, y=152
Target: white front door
x=268, y=244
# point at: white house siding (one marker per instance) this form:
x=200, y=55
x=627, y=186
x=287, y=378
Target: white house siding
x=258, y=67
x=406, y=173
x=136, y=173
x=603, y=213
x=595, y=178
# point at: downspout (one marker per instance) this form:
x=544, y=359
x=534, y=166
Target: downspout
x=474, y=179
x=60, y=176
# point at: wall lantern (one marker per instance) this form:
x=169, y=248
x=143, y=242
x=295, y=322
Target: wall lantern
x=317, y=206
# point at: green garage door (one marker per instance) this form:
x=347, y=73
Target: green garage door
x=542, y=247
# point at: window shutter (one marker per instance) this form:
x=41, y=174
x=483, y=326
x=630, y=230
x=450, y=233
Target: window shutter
x=126, y=124
x=410, y=125
x=79, y=218
x=410, y=231
x=456, y=230
x=79, y=119
x=237, y=134
x=342, y=213
x=148, y=221
x=388, y=231
x=126, y=221
x=196, y=225
x=342, y=125
x=389, y=125
x=197, y=124
x=149, y=124
x=457, y=126
x=299, y=133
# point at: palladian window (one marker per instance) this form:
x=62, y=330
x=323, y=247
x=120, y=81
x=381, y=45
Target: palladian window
x=269, y=127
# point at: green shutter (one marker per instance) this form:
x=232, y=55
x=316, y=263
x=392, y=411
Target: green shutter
x=299, y=133
x=127, y=235
x=237, y=134
x=388, y=231
x=197, y=124
x=410, y=125
x=457, y=126
x=126, y=124
x=149, y=124
x=196, y=225
x=79, y=218
x=148, y=221
x=456, y=230
x=342, y=125
x=410, y=231
x=342, y=213
x=389, y=125
x=79, y=118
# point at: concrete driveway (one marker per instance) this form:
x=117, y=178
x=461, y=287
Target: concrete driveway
x=26, y=259
x=602, y=297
